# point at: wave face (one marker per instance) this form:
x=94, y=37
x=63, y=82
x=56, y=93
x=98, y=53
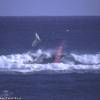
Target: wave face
x=31, y=62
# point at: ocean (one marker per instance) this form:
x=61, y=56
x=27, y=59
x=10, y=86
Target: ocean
x=64, y=63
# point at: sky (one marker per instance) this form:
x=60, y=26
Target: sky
x=49, y=7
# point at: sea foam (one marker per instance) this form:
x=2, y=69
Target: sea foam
x=31, y=62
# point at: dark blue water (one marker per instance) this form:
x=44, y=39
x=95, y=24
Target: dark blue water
x=16, y=33
x=80, y=34
x=53, y=86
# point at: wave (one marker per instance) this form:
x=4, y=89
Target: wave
x=31, y=62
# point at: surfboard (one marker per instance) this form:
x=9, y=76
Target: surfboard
x=36, y=40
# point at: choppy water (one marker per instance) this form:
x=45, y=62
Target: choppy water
x=30, y=73
x=25, y=63
x=51, y=86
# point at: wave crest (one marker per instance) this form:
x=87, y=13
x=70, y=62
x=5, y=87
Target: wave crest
x=33, y=62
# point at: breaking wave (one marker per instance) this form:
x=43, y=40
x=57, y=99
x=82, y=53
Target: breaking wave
x=31, y=62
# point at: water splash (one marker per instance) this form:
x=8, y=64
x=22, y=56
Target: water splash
x=33, y=62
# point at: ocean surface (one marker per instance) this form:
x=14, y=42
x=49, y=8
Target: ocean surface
x=63, y=65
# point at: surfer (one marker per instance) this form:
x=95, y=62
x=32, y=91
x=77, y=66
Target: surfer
x=54, y=58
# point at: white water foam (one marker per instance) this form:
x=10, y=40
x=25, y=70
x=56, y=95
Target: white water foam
x=87, y=58
x=31, y=62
